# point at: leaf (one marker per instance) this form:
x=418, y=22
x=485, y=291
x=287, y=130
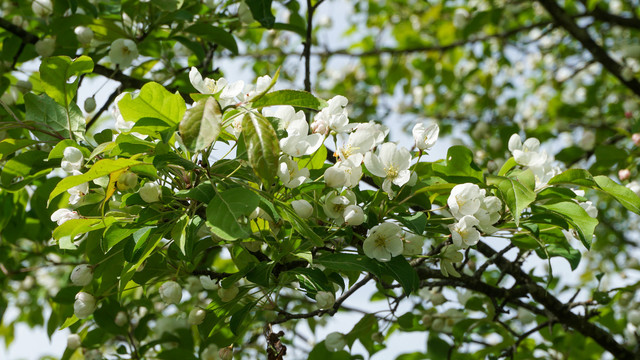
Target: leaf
x=262, y=147
x=66, y=233
x=55, y=73
x=114, y=234
x=214, y=34
x=460, y=165
x=240, y=317
x=508, y=165
x=10, y=146
x=572, y=255
x=22, y=169
x=404, y=273
x=575, y=215
x=261, y=11
x=201, y=124
x=99, y=169
x=153, y=101
x=179, y=233
x=41, y=109
x=624, y=195
x=574, y=177
x=415, y=222
x=203, y=193
x=227, y=213
x=350, y=262
x=290, y=97
x=516, y=196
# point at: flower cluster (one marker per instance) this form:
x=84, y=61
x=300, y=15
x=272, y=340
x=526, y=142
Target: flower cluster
x=529, y=155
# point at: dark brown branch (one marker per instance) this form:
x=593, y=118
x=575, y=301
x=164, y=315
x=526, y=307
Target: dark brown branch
x=602, y=15
x=599, y=54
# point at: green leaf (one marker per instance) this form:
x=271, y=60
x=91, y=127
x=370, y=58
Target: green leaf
x=350, y=262
x=415, y=222
x=572, y=255
x=10, y=146
x=460, y=166
x=114, y=234
x=227, y=213
x=22, y=169
x=574, y=177
x=624, y=195
x=153, y=101
x=203, y=193
x=66, y=233
x=99, y=169
x=404, y=273
x=516, y=196
x=41, y=109
x=214, y=34
x=261, y=11
x=508, y=165
x=294, y=98
x=240, y=317
x=575, y=215
x=262, y=147
x=55, y=73
x=179, y=233
x=201, y=124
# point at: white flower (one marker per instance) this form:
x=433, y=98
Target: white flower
x=325, y=299
x=228, y=294
x=228, y=91
x=488, y=214
x=543, y=173
x=127, y=180
x=123, y=52
x=335, y=342
x=72, y=159
x=251, y=91
x=465, y=199
x=289, y=173
x=378, y=131
x=45, y=47
x=587, y=141
x=82, y=275
x=196, y=316
x=383, y=242
x=413, y=244
x=79, y=191
x=353, y=215
x=42, y=8
x=84, y=34
x=74, y=341
x=334, y=204
x=121, y=318
x=303, y=208
x=84, y=305
x=464, y=233
x=358, y=143
x=299, y=143
x=344, y=173
x=61, y=216
x=150, y=192
x=208, y=283
x=210, y=353
x=460, y=17
x=527, y=154
x=319, y=126
x=89, y=104
x=335, y=116
x=171, y=292
x=425, y=137
x=392, y=163
x=591, y=210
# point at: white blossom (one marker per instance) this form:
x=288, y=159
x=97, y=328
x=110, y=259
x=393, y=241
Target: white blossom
x=82, y=275
x=72, y=159
x=84, y=305
x=299, y=142
x=45, y=47
x=464, y=233
x=123, y=52
x=465, y=199
x=84, y=34
x=150, y=192
x=425, y=136
x=527, y=153
x=290, y=174
x=42, y=8
x=196, y=316
x=325, y=299
x=335, y=204
x=228, y=294
x=344, y=173
x=208, y=283
x=79, y=191
x=392, y=163
x=74, y=341
x=591, y=210
x=61, y=216
x=383, y=242
x=335, y=116
x=413, y=244
x=210, y=353
x=450, y=255
x=121, y=318
x=335, y=342
x=171, y=292
x=303, y=208
x=353, y=215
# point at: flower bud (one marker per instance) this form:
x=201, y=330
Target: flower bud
x=636, y=139
x=82, y=275
x=208, y=283
x=325, y=299
x=171, y=292
x=353, y=215
x=150, y=192
x=61, y=216
x=229, y=294
x=121, y=318
x=303, y=208
x=84, y=305
x=127, y=181
x=84, y=34
x=89, y=104
x=196, y=316
x=226, y=353
x=624, y=174
x=334, y=177
x=525, y=316
x=45, y=47
x=72, y=159
x=628, y=114
x=74, y=341
x=210, y=353
x=335, y=342
x=42, y=8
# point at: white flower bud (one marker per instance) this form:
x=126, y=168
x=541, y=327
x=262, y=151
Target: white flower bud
x=61, y=216
x=82, y=275
x=196, y=316
x=210, y=353
x=525, y=316
x=84, y=305
x=90, y=104
x=226, y=353
x=171, y=292
x=229, y=294
x=208, y=283
x=45, y=47
x=353, y=215
x=624, y=174
x=150, y=192
x=127, y=181
x=123, y=52
x=84, y=34
x=42, y=8
x=636, y=139
x=325, y=299
x=74, y=341
x=121, y=318
x=72, y=159
x=334, y=177
x=303, y=208
x=335, y=342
